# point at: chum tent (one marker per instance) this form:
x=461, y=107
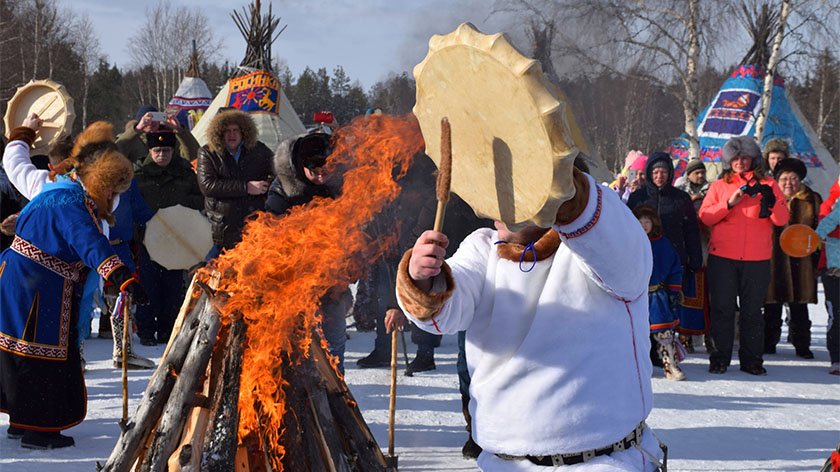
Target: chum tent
x=256, y=90
x=192, y=97
x=732, y=113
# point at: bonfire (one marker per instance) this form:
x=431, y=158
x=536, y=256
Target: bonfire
x=258, y=304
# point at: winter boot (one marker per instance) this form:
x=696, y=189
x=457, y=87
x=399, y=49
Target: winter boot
x=133, y=361
x=105, y=326
x=471, y=450
x=667, y=349
x=43, y=440
x=421, y=363
x=376, y=358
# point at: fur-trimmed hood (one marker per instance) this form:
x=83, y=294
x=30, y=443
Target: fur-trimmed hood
x=289, y=173
x=216, y=130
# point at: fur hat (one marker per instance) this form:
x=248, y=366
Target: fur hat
x=160, y=139
x=790, y=165
x=311, y=150
x=776, y=145
x=108, y=174
x=96, y=138
x=695, y=164
x=741, y=146
x=216, y=130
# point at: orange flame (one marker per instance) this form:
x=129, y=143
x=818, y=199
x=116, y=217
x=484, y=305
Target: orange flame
x=284, y=265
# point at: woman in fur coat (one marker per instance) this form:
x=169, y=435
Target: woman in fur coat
x=793, y=280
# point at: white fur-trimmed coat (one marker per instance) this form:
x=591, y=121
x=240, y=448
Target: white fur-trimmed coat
x=558, y=355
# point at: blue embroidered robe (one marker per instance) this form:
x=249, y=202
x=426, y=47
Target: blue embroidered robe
x=665, y=277
x=60, y=233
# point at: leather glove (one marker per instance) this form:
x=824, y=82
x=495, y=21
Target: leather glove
x=122, y=278
x=674, y=301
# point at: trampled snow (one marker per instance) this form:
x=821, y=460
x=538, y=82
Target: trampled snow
x=788, y=420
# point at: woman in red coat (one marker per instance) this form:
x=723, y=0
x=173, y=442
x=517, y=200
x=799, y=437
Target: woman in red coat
x=741, y=208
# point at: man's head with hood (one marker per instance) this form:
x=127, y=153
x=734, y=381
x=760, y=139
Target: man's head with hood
x=231, y=129
x=659, y=170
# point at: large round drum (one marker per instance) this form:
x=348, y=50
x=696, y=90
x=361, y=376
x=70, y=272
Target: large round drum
x=799, y=240
x=512, y=150
x=51, y=102
x=178, y=237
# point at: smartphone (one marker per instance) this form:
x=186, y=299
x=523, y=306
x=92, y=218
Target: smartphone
x=158, y=116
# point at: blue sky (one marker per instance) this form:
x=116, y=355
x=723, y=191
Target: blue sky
x=369, y=38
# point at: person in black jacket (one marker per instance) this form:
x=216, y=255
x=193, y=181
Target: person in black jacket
x=234, y=172
x=679, y=221
x=300, y=167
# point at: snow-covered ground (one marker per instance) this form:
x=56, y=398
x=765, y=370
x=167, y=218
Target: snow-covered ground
x=786, y=421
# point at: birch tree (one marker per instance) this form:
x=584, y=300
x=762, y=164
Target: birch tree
x=773, y=61
x=87, y=47
x=659, y=41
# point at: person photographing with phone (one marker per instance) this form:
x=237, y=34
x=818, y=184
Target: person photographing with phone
x=132, y=142
x=741, y=208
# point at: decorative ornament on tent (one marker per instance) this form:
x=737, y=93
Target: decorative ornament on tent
x=192, y=96
x=255, y=90
x=734, y=109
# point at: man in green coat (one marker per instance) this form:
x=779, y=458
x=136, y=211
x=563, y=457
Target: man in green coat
x=132, y=141
x=164, y=181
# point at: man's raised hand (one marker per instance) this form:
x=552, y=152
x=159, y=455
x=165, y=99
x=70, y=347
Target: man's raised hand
x=32, y=122
x=427, y=256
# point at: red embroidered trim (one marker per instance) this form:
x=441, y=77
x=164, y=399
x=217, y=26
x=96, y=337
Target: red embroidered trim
x=108, y=266
x=48, y=261
x=582, y=230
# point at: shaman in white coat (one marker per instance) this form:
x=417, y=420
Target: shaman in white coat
x=558, y=354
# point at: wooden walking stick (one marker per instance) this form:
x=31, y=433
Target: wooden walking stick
x=392, y=459
x=126, y=308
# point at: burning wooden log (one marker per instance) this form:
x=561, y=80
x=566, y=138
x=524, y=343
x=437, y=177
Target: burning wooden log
x=183, y=426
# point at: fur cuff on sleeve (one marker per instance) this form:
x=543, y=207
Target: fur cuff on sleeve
x=421, y=305
x=22, y=133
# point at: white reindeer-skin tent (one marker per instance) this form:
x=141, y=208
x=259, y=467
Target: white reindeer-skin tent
x=256, y=91
x=192, y=96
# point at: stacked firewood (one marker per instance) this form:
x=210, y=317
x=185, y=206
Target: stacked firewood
x=188, y=418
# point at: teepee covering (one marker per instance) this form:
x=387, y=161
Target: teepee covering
x=190, y=101
x=257, y=91
x=260, y=95
x=733, y=112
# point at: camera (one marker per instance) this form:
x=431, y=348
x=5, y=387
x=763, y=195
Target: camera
x=158, y=116
x=767, y=197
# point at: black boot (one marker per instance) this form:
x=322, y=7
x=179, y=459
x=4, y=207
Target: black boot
x=376, y=358
x=40, y=440
x=421, y=363
x=471, y=450
x=15, y=432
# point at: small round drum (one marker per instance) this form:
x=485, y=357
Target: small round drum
x=178, y=237
x=512, y=149
x=799, y=240
x=51, y=102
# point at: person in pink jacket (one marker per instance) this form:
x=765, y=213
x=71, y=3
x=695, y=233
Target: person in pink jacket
x=741, y=208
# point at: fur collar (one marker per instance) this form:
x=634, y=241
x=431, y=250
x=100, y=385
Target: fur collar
x=543, y=248
x=286, y=171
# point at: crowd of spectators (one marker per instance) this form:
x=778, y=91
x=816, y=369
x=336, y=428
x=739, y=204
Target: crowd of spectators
x=717, y=262
x=736, y=279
